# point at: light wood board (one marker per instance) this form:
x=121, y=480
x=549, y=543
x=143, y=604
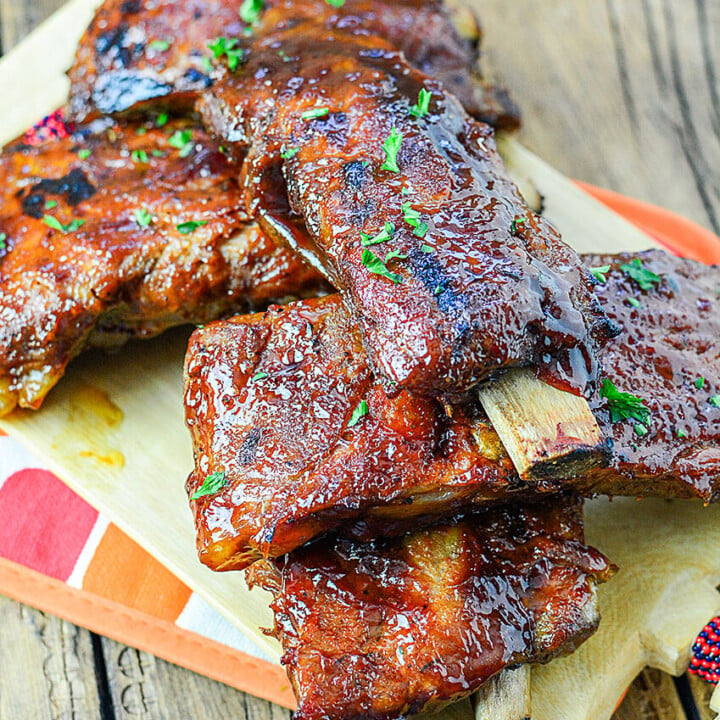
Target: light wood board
x=113, y=431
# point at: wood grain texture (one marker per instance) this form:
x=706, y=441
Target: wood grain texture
x=20, y=17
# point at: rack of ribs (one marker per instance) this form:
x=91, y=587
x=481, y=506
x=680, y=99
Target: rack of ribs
x=381, y=629
x=404, y=205
x=122, y=231
x=287, y=415
x=138, y=54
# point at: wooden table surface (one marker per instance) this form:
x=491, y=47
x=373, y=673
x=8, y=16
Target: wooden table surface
x=621, y=93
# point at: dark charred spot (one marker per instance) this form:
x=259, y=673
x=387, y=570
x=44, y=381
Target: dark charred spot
x=112, y=40
x=249, y=446
x=118, y=91
x=131, y=7
x=430, y=272
x=197, y=79
x=355, y=174
x=73, y=187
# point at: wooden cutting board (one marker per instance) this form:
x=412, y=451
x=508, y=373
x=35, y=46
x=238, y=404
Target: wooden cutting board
x=113, y=430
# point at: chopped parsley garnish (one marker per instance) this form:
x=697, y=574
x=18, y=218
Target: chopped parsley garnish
x=207, y=65
x=51, y=204
x=634, y=302
x=421, y=107
x=383, y=236
x=250, y=11
x=391, y=148
x=376, y=266
x=600, y=273
x=700, y=383
x=161, y=120
x=335, y=3
x=289, y=153
x=317, y=112
x=55, y=224
x=159, y=45
x=641, y=430
x=681, y=433
x=182, y=141
x=360, y=412
x=642, y=276
x=258, y=376
x=191, y=226
x=143, y=217
x=394, y=254
x=213, y=484
x=140, y=156
x=141, y=131
x=158, y=153
x=439, y=290
x=3, y=241
x=427, y=249
x=229, y=48
x=622, y=405
x=412, y=218
x=405, y=191
x=516, y=224
x=85, y=153
x=715, y=401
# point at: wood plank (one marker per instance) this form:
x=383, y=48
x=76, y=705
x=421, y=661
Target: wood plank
x=701, y=693
x=19, y=18
x=47, y=666
x=652, y=696
x=144, y=687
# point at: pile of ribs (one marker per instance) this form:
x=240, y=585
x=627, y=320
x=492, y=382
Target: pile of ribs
x=330, y=166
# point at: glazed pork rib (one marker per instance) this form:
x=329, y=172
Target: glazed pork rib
x=293, y=434
x=119, y=232
x=398, y=626
x=447, y=272
x=142, y=53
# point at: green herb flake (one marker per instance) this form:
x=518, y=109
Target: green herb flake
x=600, y=273
x=55, y=224
x=383, y=236
x=641, y=430
x=622, y=405
x=258, y=376
x=420, y=109
x=427, y=249
x=439, y=290
x=229, y=48
x=250, y=11
x=3, y=241
x=289, y=153
x=143, y=217
x=161, y=120
x=213, y=484
x=715, y=401
x=182, y=141
x=207, y=65
x=642, y=276
x=394, y=254
x=360, y=412
x=376, y=266
x=317, y=112
x=700, y=383
x=190, y=227
x=85, y=153
x=412, y=218
x=335, y=3
x=516, y=224
x=51, y=204
x=159, y=46
x=391, y=148
x=634, y=302
x=158, y=153
x=681, y=433
x=405, y=191
x=140, y=156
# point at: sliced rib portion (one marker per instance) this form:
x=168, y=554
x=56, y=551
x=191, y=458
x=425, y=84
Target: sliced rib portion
x=447, y=272
x=398, y=626
x=284, y=408
x=118, y=232
x=155, y=52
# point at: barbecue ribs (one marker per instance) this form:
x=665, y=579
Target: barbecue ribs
x=285, y=410
x=155, y=53
x=122, y=231
x=397, y=626
x=447, y=272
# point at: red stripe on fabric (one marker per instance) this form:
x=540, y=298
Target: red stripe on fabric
x=45, y=524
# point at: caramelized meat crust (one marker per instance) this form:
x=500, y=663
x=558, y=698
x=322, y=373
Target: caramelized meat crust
x=287, y=408
x=121, y=232
x=155, y=52
x=397, y=626
x=447, y=272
